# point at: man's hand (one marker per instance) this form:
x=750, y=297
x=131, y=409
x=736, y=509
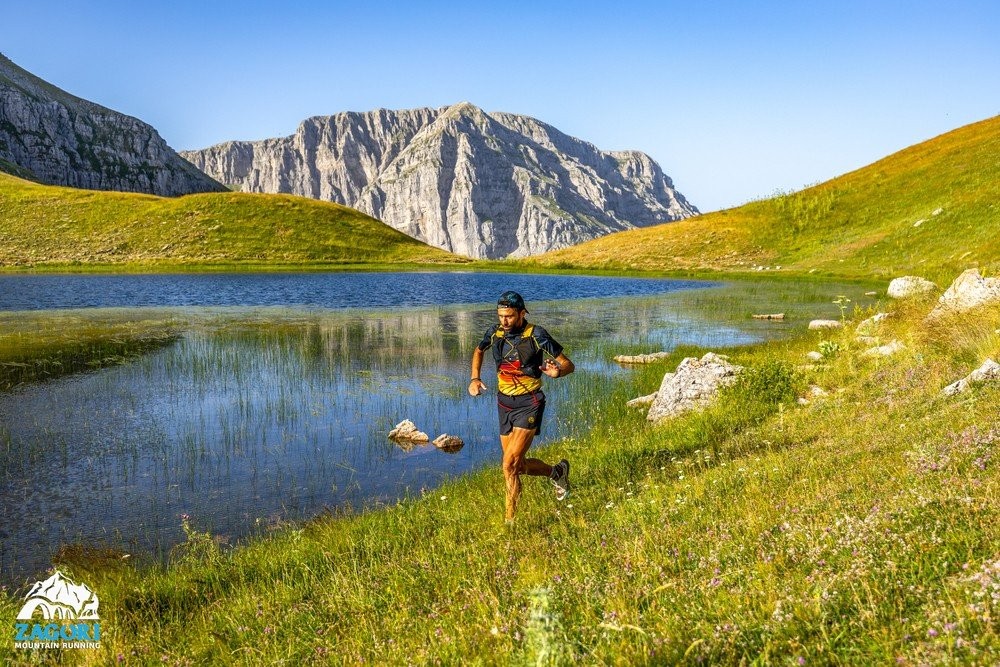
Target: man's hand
x=551, y=368
x=476, y=387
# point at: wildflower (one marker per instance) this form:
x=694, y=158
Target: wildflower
x=268, y=629
x=715, y=582
x=800, y=660
x=932, y=633
x=444, y=497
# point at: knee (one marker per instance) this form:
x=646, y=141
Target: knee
x=513, y=465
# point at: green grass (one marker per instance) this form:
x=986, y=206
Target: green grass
x=862, y=224
x=857, y=529
x=64, y=228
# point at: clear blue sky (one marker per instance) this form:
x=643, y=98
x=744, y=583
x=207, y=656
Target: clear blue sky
x=734, y=99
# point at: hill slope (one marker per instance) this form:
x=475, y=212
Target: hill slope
x=53, y=137
x=932, y=209
x=41, y=224
x=485, y=185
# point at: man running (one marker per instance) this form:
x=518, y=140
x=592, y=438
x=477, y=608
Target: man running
x=522, y=352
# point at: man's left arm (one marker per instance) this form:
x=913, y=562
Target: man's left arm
x=559, y=367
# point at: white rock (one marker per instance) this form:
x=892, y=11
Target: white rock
x=407, y=431
x=816, y=391
x=868, y=324
x=907, y=286
x=919, y=222
x=825, y=324
x=970, y=290
x=937, y=211
x=448, y=442
x=990, y=370
x=642, y=401
x=814, y=356
x=640, y=358
x=886, y=350
x=692, y=385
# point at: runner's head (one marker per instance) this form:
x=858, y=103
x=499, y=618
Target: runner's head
x=511, y=310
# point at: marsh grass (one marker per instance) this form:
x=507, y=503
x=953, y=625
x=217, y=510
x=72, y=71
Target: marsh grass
x=31, y=351
x=857, y=529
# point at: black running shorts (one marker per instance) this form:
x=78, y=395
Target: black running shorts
x=524, y=411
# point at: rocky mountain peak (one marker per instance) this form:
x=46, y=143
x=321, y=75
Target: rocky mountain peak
x=486, y=185
x=57, y=138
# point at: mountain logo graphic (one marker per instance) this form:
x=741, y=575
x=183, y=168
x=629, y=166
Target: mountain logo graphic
x=59, y=597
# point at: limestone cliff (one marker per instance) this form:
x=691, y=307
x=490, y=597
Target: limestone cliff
x=486, y=185
x=53, y=137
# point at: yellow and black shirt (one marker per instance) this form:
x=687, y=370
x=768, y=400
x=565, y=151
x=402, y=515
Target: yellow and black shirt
x=519, y=355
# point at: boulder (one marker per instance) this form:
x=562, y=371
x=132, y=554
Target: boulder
x=865, y=326
x=772, y=316
x=449, y=443
x=641, y=358
x=825, y=324
x=643, y=400
x=886, y=350
x=814, y=356
x=692, y=385
x=970, y=290
x=405, y=431
x=907, y=286
x=990, y=370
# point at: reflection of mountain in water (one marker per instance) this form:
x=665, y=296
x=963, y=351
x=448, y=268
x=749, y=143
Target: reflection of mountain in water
x=59, y=597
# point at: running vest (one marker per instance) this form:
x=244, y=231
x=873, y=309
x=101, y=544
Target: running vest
x=518, y=363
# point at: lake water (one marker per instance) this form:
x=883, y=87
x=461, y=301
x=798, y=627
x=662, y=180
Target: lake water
x=311, y=290
x=275, y=401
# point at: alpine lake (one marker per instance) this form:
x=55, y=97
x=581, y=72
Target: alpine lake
x=243, y=402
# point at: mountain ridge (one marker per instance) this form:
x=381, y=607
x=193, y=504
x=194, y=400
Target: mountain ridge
x=57, y=138
x=483, y=184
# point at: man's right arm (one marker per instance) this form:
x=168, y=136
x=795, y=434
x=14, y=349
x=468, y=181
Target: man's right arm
x=476, y=386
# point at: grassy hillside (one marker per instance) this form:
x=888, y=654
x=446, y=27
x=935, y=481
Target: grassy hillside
x=857, y=529
x=44, y=225
x=864, y=223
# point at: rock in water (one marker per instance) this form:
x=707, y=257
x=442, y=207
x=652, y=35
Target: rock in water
x=825, y=324
x=448, y=442
x=970, y=290
x=485, y=185
x=692, y=385
x=641, y=358
x=406, y=431
x=60, y=139
x=907, y=286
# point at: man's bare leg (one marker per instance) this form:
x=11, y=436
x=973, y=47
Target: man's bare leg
x=515, y=445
